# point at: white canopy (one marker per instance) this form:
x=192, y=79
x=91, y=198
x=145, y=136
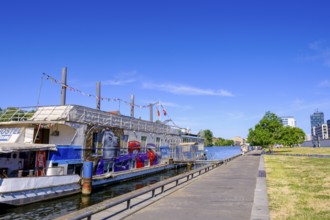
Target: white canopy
x=188, y=144
x=17, y=147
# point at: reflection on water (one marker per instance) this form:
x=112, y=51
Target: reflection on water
x=59, y=207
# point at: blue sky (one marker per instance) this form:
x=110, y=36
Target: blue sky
x=217, y=65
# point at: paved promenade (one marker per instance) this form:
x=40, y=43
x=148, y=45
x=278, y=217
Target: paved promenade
x=234, y=191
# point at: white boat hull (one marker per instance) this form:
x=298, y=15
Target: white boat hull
x=25, y=190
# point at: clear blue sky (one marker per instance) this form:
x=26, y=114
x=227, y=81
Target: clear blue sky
x=217, y=65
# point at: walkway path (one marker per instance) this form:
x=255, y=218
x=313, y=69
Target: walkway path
x=234, y=191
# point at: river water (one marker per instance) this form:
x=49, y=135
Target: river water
x=221, y=152
x=58, y=207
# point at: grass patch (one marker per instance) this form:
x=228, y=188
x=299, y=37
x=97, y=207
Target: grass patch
x=298, y=187
x=303, y=150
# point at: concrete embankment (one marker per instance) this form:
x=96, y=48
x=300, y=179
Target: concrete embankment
x=235, y=190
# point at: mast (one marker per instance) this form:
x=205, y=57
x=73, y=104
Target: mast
x=132, y=106
x=98, y=95
x=63, y=90
x=151, y=111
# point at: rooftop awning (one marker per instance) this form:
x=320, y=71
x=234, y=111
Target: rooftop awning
x=19, y=147
x=188, y=144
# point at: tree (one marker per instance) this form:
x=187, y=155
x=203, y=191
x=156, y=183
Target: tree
x=266, y=132
x=208, y=137
x=290, y=136
x=223, y=142
x=270, y=131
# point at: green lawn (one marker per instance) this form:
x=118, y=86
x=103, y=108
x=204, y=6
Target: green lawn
x=298, y=187
x=303, y=150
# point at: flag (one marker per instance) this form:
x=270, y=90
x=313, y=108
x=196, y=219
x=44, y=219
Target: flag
x=164, y=110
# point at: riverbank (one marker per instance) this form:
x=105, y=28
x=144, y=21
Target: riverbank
x=227, y=192
x=58, y=207
x=298, y=187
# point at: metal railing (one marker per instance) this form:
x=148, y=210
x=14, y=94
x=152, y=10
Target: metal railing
x=84, y=114
x=17, y=114
x=151, y=191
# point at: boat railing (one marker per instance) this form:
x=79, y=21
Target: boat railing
x=88, y=115
x=81, y=114
x=17, y=114
x=130, y=200
x=38, y=171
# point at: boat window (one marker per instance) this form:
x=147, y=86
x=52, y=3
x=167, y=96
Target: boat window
x=97, y=144
x=74, y=169
x=78, y=169
x=70, y=169
x=125, y=142
x=22, y=155
x=157, y=143
x=41, y=135
x=143, y=143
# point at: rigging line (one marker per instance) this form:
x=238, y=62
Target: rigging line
x=52, y=79
x=40, y=87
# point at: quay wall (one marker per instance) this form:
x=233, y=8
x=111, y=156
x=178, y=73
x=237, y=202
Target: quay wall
x=323, y=143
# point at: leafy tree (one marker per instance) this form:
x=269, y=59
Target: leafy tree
x=266, y=132
x=290, y=136
x=270, y=131
x=299, y=135
x=208, y=137
x=223, y=142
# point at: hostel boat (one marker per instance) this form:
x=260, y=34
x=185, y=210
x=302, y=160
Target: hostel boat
x=43, y=149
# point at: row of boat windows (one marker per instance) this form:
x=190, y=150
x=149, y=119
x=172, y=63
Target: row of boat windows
x=14, y=155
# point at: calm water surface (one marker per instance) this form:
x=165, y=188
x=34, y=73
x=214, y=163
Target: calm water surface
x=58, y=207
x=221, y=152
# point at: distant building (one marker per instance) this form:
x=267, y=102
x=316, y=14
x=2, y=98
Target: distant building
x=288, y=121
x=328, y=123
x=308, y=137
x=321, y=132
x=317, y=119
x=238, y=141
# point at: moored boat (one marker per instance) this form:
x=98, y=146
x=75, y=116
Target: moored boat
x=43, y=149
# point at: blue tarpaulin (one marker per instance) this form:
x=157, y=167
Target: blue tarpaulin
x=66, y=154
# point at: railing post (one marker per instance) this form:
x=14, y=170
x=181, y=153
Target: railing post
x=153, y=193
x=128, y=204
